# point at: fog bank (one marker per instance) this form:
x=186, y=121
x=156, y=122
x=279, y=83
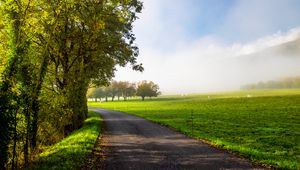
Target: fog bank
x=209, y=65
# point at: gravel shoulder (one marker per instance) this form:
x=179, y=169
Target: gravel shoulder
x=130, y=142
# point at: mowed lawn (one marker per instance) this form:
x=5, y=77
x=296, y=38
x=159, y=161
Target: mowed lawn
x=261, y=125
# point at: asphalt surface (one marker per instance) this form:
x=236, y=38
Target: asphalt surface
x=130, y=142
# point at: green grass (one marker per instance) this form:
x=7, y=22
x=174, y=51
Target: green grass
x=71, y=152
x=261, y=125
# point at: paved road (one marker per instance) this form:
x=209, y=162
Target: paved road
x=130, y=142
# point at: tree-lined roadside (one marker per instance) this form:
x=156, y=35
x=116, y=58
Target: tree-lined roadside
x=51, y=51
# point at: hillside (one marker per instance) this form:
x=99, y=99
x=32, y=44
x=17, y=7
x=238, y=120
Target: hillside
x=286, y=50
x=272, y=63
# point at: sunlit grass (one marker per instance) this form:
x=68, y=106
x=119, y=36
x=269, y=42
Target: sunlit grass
x=72, y=151
x=261, y=125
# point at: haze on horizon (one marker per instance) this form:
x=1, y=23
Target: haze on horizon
x=201, y=46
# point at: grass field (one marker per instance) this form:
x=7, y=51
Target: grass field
x=71, y=152
x=261, y=125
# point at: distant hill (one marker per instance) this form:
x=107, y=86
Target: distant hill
x=286, y=50
x=272, y=63
x=291, y=82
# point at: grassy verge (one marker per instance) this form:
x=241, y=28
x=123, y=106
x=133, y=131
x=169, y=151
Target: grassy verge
x=72, y=151
x=261, y=125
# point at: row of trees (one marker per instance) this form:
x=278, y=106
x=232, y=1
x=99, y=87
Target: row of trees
x=287, y=83
x=124, y=89
x=50, y=52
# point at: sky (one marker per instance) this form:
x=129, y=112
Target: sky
x=193, y=46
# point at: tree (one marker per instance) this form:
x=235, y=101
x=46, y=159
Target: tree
x=123, y=85
x=96, y=93
x=116, y=88
x=92, y=37
x=18, y=87
x=147, y=89
x=106, y=92
x=3, y=44
x=115, y=91
x=130, y=90
x=56, y=49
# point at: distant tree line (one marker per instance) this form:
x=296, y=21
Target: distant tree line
x=124, y=90
x=287, y=83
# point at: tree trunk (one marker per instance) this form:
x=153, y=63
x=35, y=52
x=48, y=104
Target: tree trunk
x=26, y=145
x=6, y=109
x=13, y=166
x=5, y=118
x=35, y=102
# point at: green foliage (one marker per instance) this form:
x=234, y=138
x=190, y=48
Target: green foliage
x=124, y=89
x=90, y=39
x=56, y=49
x=54, y=114
x=147, y=89
x=3, y=45
x=261, y=125
x=17, y=78
x=71, y=152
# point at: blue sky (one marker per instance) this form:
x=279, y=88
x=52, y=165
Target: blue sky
x=172, y=33
x=197, y=17
x=178, y=20
x=200, y=17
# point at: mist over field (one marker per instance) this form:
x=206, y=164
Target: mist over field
x=187, y=50
x=208, y=65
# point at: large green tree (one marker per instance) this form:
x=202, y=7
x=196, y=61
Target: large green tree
x=16, y=75
x=56, y=48
x=91, y=38
x=147, y=89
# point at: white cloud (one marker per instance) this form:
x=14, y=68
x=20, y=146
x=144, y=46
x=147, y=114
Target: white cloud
x=210, y=63
x=249, y=20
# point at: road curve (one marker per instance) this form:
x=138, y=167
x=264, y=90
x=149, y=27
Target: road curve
x=130, y=142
